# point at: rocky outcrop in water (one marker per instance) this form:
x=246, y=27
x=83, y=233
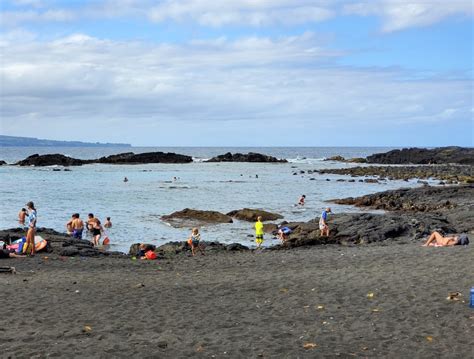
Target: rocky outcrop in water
x=2, y=163
x=194, y=217
x=424, y=199
x=460, y=155
x=144, y=158
x=348, y=160
x=448, y=173
x=50, y=160
x=119, y=159
x=250, y=215
x=249, y=157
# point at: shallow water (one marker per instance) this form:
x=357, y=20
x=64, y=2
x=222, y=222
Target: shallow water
x=136, y=206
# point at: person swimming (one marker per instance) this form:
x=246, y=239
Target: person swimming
x=302, y=199
x=108, y=223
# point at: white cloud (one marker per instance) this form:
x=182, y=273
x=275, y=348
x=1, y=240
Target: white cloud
x=13, y=18
x=402, y=14
x=395, y=14
x=80, y=82
x=253, y=13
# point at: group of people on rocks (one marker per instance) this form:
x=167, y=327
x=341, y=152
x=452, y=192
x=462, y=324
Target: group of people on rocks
x=284, y=231
x=75, y=227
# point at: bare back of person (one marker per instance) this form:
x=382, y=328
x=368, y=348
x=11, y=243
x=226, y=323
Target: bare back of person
x=77, y=224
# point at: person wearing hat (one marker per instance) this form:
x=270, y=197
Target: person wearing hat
x=323, y=223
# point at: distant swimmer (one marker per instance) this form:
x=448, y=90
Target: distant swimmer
x=22, y=217
x=301, y=201
x=77, y=226
x=108, y=223
x=125, y=179
x=259, y=232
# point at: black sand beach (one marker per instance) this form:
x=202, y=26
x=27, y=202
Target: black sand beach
x=361, y=301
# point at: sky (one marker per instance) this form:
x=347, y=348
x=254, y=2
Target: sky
x=239, y=72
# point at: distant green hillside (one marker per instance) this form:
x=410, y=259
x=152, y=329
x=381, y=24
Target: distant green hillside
x=36, y=142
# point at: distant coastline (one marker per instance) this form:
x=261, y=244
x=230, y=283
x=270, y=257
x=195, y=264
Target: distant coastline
x=13, y=141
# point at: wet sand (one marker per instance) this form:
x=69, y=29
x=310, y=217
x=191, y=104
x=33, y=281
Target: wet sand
x=267, y=304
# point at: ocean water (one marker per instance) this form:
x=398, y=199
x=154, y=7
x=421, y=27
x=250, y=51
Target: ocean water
x=136, y=206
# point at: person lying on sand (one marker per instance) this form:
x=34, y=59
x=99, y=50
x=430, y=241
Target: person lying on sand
x=437, y=240
x=5, y=253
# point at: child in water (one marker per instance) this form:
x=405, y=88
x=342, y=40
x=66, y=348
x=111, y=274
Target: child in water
x=195, y=241
x=259, y=232
x=302, y=199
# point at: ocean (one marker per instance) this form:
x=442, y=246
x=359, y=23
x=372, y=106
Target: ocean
x=135, y=207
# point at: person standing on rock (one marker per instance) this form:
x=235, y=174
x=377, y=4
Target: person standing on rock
x=77, y=226
x=323, y=223
x=30, y=235
x=195, y=241
x=259, y=232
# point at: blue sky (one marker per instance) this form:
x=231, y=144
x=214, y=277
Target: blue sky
x=239, y=73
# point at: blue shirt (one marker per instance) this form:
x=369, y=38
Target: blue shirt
x=324, y=216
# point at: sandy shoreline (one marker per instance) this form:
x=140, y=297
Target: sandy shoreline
x=244, y=304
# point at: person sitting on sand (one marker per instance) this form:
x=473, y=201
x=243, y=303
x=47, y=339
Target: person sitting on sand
x=5, y=253
x=437, y=240
x=195, y=241
x=77, y=226
x=97, y=231
x=301, y=201
x=22, y=217
x=108, y=223
x=283, y=234
x=259, y=232
x=143, y=248
x=323, y=224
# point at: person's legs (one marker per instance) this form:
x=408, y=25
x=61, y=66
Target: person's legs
x=30, y=241
x=435, y=237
